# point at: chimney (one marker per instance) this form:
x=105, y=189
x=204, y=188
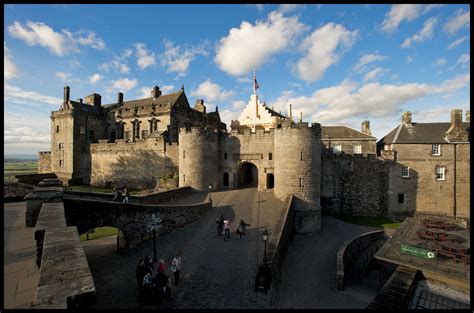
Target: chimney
x=155, y=92
x=93, y=99
x=199, y=106
x=120, y=97
x=301, y=117
x=66, y=94
x=468, y=116
x=366, y=127
x=456, y=131
x=406, y=118
x=291, y=116
x=79, y=100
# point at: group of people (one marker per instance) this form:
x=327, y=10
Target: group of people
x=224, y=223
x=153, y=283
x=121, y=195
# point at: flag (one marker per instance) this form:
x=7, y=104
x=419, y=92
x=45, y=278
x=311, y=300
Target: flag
x=255, y=84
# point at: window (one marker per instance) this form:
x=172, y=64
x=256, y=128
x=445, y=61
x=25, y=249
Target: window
x=401, y=198
x=225, y=156
x=440, y=172
x=405, y=172
x=270, y=156
x=337, y=149
x=436, y=149
x=184, y=154
x=357, y=149
x=184, y=178
x=144, y=133
x=57, y=129
x=61, y=146
x=82, y=130
x=61, y=163
x=300, y=181
x=301, y=157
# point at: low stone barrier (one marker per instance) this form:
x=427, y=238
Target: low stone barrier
x=368, y=243
x=35, y=200
x=33, y=179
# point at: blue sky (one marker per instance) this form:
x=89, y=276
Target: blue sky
x=337, y=64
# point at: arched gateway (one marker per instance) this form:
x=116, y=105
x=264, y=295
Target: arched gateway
x=248, y=175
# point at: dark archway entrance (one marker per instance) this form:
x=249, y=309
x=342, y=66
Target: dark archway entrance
x=225, y=181
x=248, y=175
x=270, y=181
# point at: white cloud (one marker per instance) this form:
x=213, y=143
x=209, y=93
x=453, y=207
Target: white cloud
x=425, y=33
x=286, y=8
x=348, y=99
x=177, y=59
x=65, y=42
x=75, y=64
x=13, y=93
x=457, y=42
x=250, y=45
x=122, y=85
x=228, y=115
x=323, y=48
x=118, y=63
x=145, y=92
x=238, y=105
x=9, y=68
x=259, y=6
x=459, y=20
x=66, y=77
x=367, y=59
x=145, y=57
x=399, y=13
x=465, y=58
x=409, y=59
x=430, y=7
x=374, y=74
x=211, y=92
x=166, y=88
x=93, y=79
x=440, y=62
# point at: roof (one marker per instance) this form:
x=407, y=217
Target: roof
x=332, y=132
x=163, y=99
x=274, y=113
x=419, y=133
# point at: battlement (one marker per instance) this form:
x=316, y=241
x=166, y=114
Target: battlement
x=122, y=144
x=199, y=130
x=301, y=125
x=44, y=152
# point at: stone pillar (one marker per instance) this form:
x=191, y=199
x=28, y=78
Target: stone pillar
x=406, y=117
x=120, y=97
x=66, y=94
x=366, y=127
x=456, y=131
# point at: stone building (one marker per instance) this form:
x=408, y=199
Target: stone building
x=431, y=170
x=342, y=139
x=125, y=142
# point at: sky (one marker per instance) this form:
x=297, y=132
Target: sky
x=338, y=64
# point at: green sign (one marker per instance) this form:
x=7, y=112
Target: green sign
x=419, y=252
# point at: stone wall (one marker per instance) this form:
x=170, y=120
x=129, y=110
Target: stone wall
x=137, y=164
x=33, y=179
x=361, y=248
x=422, y=192
x=44, y=162
x=354, y=185
x=347, y=145
x=133, y=220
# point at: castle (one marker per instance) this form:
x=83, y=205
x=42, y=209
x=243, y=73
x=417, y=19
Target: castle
x=327, y=168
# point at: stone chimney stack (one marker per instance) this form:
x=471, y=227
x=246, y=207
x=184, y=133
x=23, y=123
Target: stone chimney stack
x=366, y=127
x=66, y=95
x=406, y=117
x=120, y=97
x=456, y=131
x=468, y=116
x=155, y=92
x=93, y=99
x=199, y=106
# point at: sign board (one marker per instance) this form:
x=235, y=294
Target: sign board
x=419, y=252
x=155, y=223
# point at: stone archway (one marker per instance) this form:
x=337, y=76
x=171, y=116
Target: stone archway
x=248, y=175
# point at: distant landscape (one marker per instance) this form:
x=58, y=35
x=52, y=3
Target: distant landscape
x=15, y=166
x=11, y=158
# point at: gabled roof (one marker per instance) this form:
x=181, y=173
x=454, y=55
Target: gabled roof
x=419, y=133
x=334, y=132
x=273, y=113
x=146, y=102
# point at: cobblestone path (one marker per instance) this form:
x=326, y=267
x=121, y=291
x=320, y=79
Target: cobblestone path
x=216, y=273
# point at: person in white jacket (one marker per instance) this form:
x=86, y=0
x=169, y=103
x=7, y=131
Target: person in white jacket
x=176, y=267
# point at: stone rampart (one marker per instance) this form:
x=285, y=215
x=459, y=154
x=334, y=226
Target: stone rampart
x=34, y=179
x=361, y=248
x=44, y=162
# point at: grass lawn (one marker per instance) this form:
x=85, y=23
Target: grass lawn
x=18, y=168
x=100, y=232
x=384, y=222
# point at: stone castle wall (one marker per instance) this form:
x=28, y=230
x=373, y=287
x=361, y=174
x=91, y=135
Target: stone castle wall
x=354, y=185
x=44, y=162
x=135, y=165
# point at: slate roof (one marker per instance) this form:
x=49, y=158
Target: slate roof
x=274, y=113
x=334, y=132
x=419, y=133
x=163, y=99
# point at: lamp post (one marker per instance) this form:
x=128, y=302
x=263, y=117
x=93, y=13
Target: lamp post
x=265, y=239
x=210, y=198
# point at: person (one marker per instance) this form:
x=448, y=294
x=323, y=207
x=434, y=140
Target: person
x=241, y=228
x=220, y=224
x=162, y=282
x=161, y=266
x=176, y=267
x=227, y=229
x=127, y=195
x=148, y=263
x=140, y=273
x=117, y=195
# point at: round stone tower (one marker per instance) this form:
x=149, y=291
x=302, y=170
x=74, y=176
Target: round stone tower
x=298, y=172
x=198, y=158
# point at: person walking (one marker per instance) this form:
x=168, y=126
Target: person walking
x=220, y=224
x=127, y=195
x=140, y=273
x=161, y=266
x=241, y=230
x=117, y=195
x=227, y=229
x=176, y=267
